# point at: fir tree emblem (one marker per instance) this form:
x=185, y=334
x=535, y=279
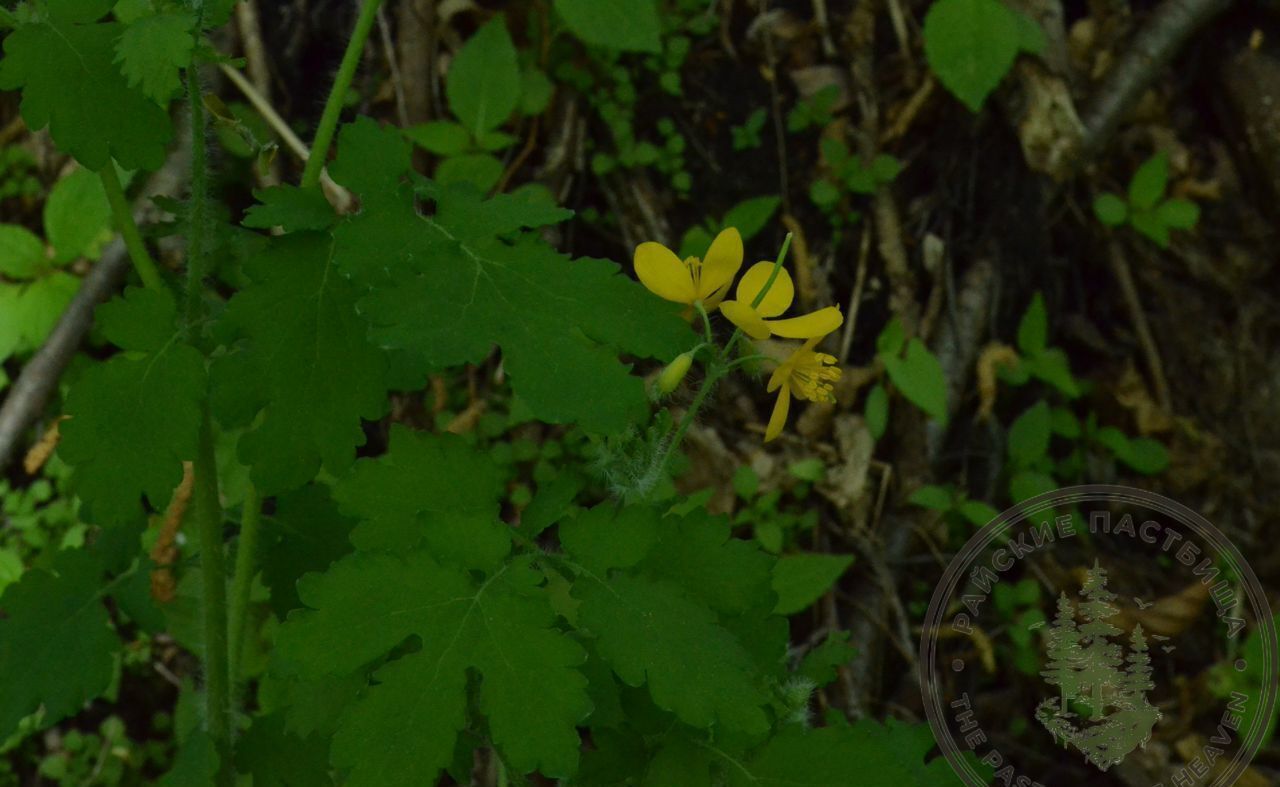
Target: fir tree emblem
x=1086, y=664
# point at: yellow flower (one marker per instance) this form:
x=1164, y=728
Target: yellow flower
x=706, y=280
x=807, y=374
x=754, y=320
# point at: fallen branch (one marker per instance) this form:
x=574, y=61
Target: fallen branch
x=1151, y=50
x=30, y=393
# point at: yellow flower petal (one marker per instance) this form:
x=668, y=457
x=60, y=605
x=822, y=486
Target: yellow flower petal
x=779, y=417
x=721, y=263
x=746, y=318
x=660, y=270
x=812, y=325
x=711, y=302
x=780, y=295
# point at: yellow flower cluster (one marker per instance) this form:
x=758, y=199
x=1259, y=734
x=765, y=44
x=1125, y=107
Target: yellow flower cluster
x=765, y=292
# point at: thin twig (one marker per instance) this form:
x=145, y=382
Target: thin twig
x=1151, y=50
x=397, y=84
x=338, y=196
x=1124, y=277
x=855, y=299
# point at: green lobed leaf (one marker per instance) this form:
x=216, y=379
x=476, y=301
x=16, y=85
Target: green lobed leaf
x=820, y=664
x=291, y=208
x=71, y=84
x=625, y=25
x=402, y=731
x=306, y=534
x=428, y=487
x=56, y=643
x=304, y=363
x=1179, y=214
x=918, y=375
x=651, y=632
x=483, y=82
x=153, y=50
x=277, y=758
x=134, y=418
x=449, y=286
x=800, y=580
x=971, y=45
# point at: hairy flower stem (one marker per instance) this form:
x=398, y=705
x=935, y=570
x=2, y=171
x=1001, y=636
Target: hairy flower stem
x=206, y=515
x=338, y=94
x=206, y=507
x=242, y=578
x=720, y=365
x=198, y=208
x=123, y=215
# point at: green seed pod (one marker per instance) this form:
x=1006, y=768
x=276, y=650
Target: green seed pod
x=671, y=376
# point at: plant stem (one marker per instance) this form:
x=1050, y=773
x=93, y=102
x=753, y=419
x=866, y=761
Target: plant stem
x=338, y=93
x=198, y=210
x=242, y=578
x=123, y=215
x=206, y=514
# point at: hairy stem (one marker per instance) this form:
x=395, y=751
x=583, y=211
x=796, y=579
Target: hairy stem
x=242, y=578
x=123, y=215
x=206, y=515
x=198, y=210
x=337, y=94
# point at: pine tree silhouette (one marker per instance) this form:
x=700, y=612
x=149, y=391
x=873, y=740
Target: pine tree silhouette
x=1137, y=678
x=1066, y=658
x=1102, y=660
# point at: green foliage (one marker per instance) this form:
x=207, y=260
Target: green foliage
x=800, y=580
x=118, y=460
x=849, y=174
x=971, y=45
x=153, y=51
x=451, y=285
x=1146, y=209
x=747, y=136
x=1018, y=605
x=749, y=217
x=77, y=217
x=814, y=111
x=917, y=374
x=65, y=63
x=625, y=25
x=483, y=85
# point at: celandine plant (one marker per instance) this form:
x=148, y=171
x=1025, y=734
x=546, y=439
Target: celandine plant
x=414, y=625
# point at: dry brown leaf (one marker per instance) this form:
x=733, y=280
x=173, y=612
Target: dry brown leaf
x=41, y=451
x=993, y=356
x=1132, y=394
x=165, y=551
x=1168, y=616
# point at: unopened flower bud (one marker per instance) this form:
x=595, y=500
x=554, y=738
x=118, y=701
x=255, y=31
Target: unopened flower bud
x=672, y=376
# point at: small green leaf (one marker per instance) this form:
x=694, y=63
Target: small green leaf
x=937, y=498
x=1065, y=423
x=876, y=411
x=442, y=137
x=77, y=217
x=483, y=82
x=971, y=45
x=1029, y=435
x=1146, y=455
x=1149, y=223
x=1053, y=367
x=1149, y=182
x=919, y=377
x=820, y=664
x=811, y=470
x=493, y=141
x=1033, y=330
x=977, y=512
x=824, y=193
x=478, y=169
x=751, y=215
x=1110, y=209
x=1027, y=484
x=1179, y=214
x=800, y=580
x=21, y=252
x=535, y=91
x=153, y=50
x=891, y=339
x=625, y=25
